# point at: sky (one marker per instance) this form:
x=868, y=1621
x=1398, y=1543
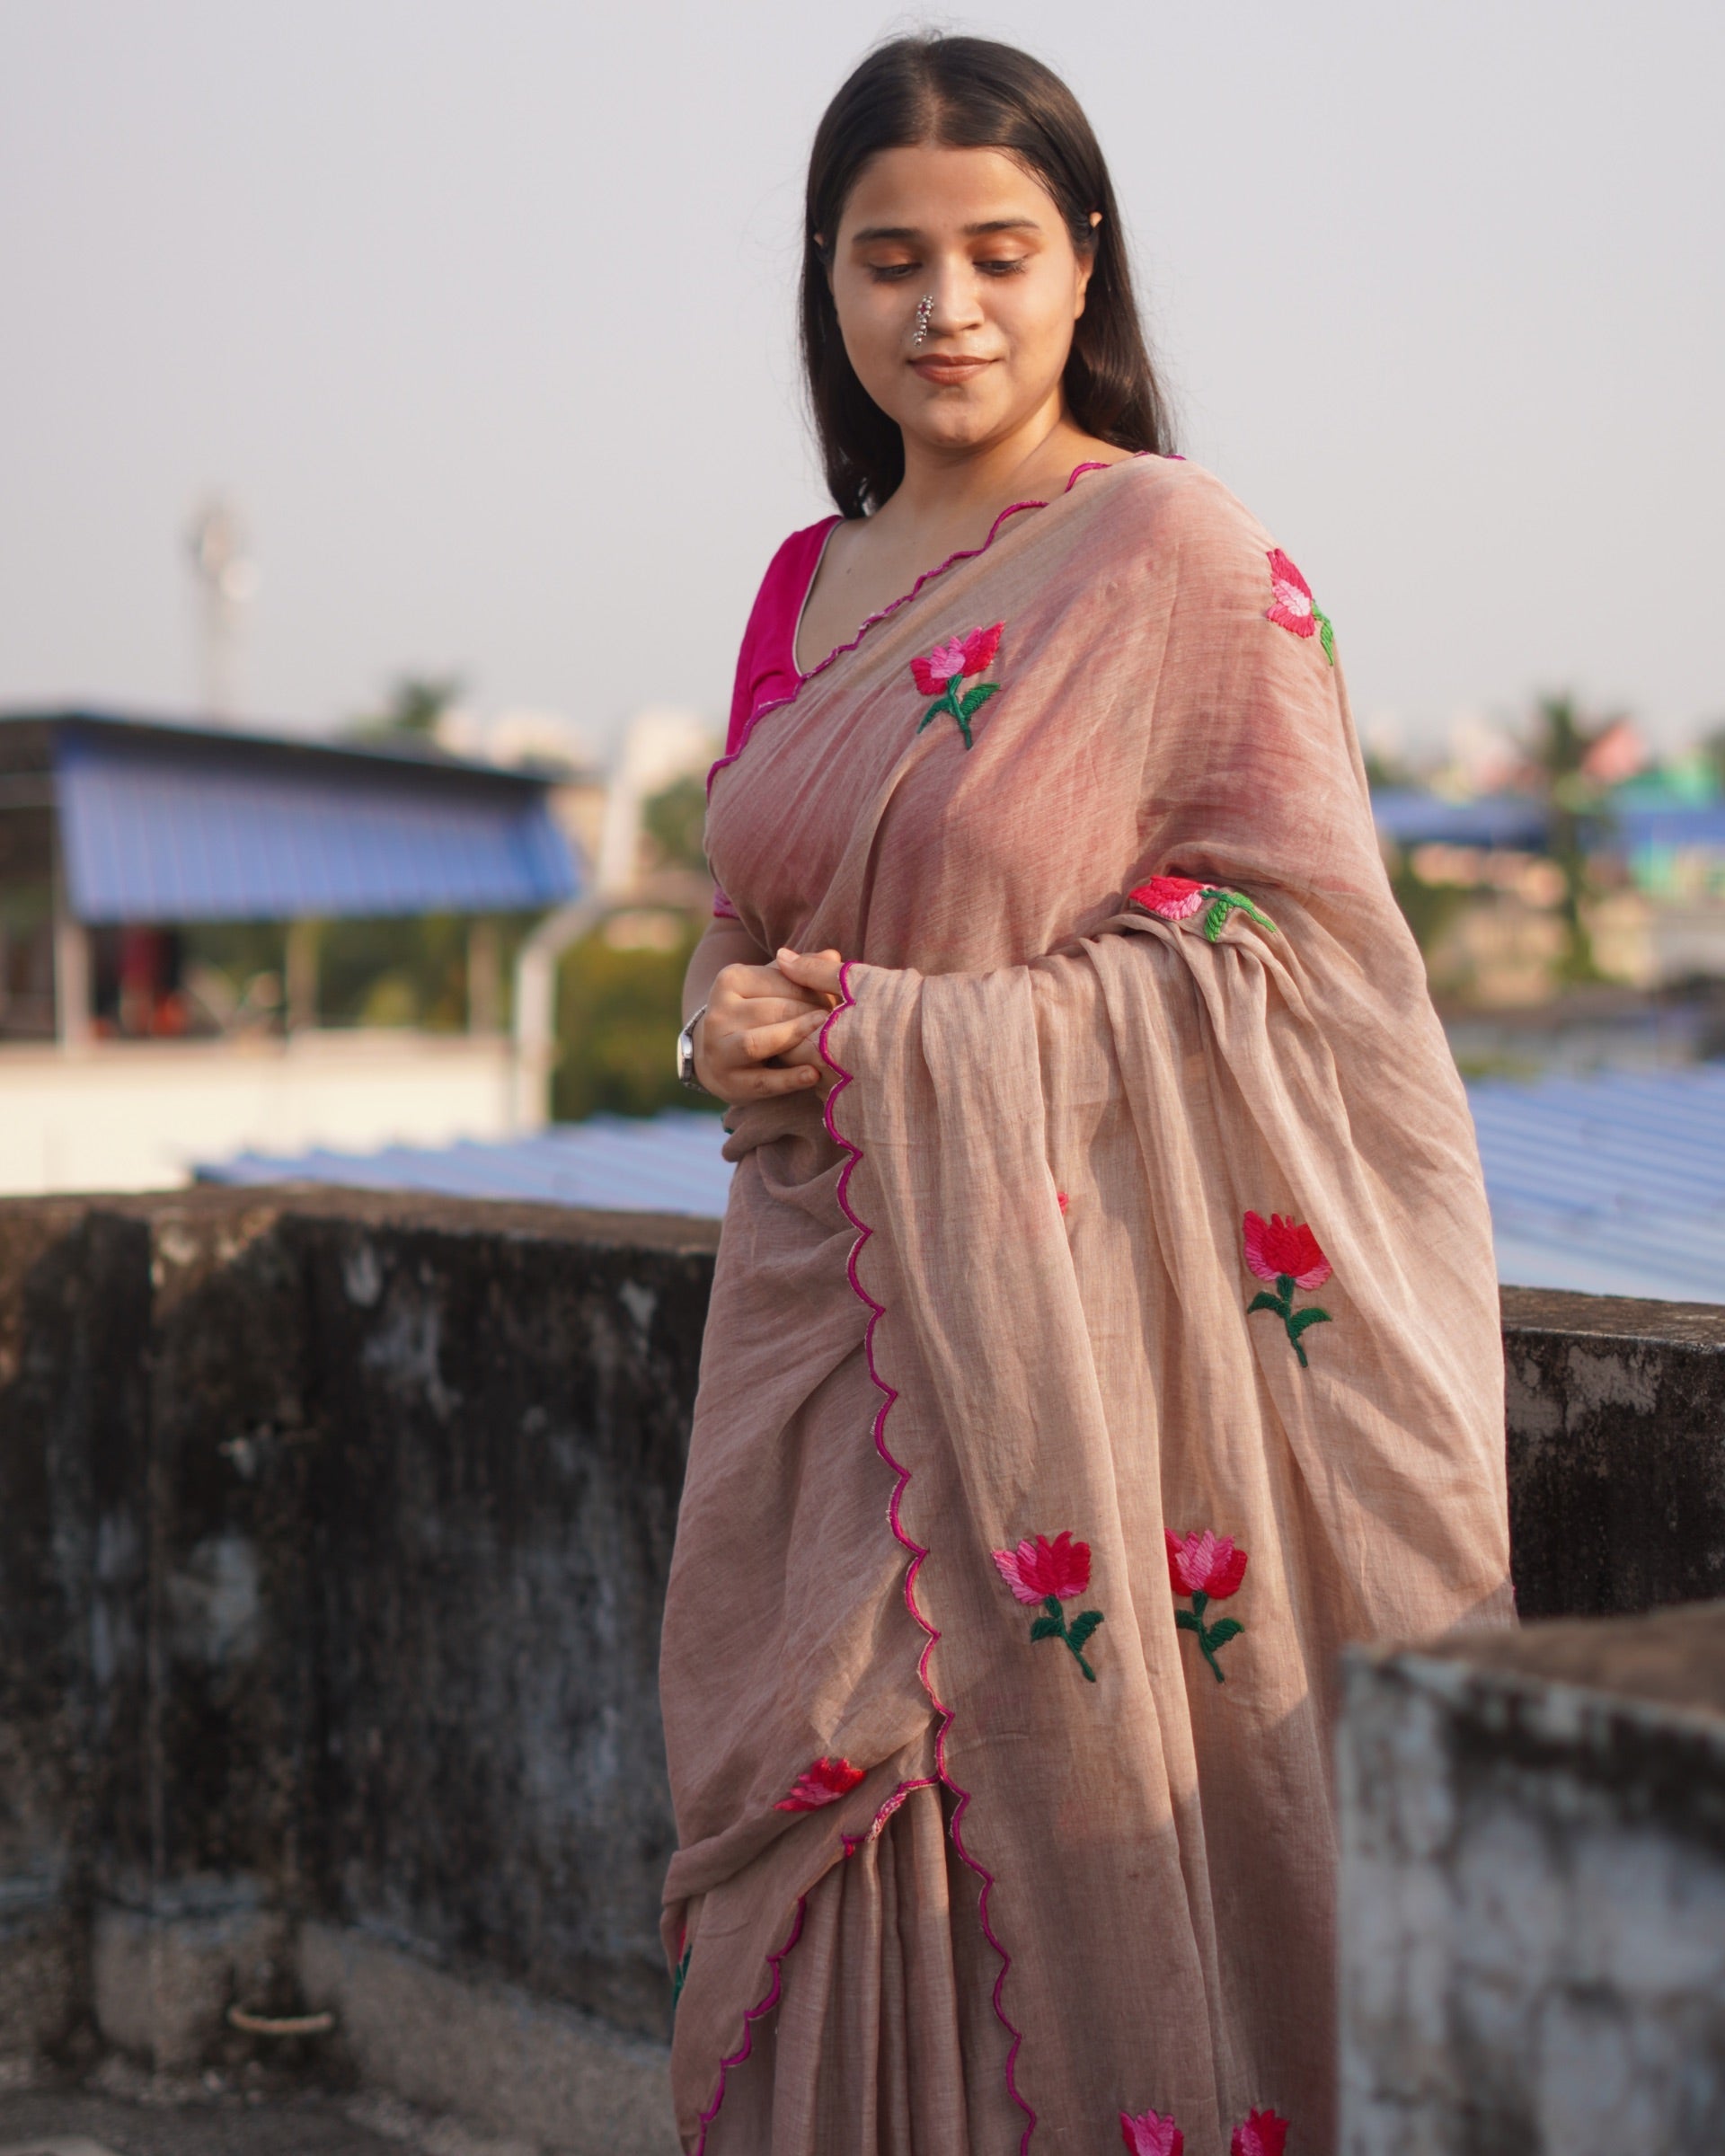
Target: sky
x=481, y=312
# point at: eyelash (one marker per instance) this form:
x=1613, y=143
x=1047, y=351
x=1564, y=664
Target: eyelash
x=895, y=273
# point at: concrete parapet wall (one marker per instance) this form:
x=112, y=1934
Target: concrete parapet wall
x=335, y=1532
x=1533, y=1903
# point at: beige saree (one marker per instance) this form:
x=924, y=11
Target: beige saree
x=1122, y=1342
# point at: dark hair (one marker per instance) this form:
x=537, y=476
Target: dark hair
x=968, y=93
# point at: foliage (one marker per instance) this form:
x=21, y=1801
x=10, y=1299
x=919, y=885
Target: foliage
x=415, y=704
x=1558, y=748
x=1428, y=908
x=617, y=1016
x=674, y=822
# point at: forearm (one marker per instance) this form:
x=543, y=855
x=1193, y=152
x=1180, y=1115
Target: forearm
x=725, y=944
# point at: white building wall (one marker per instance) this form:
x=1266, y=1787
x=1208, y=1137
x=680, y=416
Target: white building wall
x=141, y=1115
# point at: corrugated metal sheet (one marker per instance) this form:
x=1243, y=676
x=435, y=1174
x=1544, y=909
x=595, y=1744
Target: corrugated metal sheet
x=667, y=1164
x=1613, y=1184
x=157, y=830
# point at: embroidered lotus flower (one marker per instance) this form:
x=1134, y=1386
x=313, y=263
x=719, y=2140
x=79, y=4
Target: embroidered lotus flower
x=1179, y=897
x=1051, y=1573
x=824, y=1781
x=1278, y=1245
x=1287, y=1253
x=1293, y=605
x=943, y=673
x=1208, y=1568
x=1205, y=1564
x=1263, y=2133
x=1151, y=2133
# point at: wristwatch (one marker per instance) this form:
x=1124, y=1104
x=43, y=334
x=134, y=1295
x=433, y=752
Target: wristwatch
x=685, y=1054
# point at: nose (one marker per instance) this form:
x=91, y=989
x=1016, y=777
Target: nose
x=954, y=287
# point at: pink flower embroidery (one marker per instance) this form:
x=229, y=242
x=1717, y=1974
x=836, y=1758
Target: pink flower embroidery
x=1293, y=606
x=1278, y=1245
x=1262, y=2135
x=1151, y=2133
x=1179, y=897
x=1051, y=1573
x=1205, y=1564
x=825, y=1782
x=1286, y=1252
x=1209, y=1568
x=948, y=667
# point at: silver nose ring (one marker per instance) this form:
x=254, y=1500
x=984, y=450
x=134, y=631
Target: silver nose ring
x=924, y=315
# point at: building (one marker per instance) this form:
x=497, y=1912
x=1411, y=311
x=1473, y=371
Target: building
x=121, y=837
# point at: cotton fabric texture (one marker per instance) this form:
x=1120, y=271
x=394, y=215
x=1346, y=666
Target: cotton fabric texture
x=1001, y=1291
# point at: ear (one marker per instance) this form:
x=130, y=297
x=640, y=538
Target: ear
x=1086, y=264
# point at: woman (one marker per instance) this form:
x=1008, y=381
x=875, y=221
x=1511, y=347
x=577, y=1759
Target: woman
x=1072, y=1042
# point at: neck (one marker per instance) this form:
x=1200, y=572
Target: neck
x=943, y=484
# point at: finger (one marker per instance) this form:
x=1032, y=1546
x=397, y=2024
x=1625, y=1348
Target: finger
x=735, y=985
x=757, y=1043
x=817, y=970
x=763, y=1080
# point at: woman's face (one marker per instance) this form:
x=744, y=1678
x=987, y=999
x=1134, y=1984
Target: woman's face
x=985, y=241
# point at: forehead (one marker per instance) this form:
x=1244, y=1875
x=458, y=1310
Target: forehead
x=930, y=187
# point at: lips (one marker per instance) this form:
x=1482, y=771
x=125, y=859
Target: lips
x=950, y=366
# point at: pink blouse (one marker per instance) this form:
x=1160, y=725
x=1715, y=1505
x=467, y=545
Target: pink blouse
x=767, y=674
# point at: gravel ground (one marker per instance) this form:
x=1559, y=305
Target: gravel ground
x=118, y=2111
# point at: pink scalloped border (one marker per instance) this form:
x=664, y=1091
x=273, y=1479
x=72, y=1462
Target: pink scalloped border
x=752, y=2014
x=877, y=1310
x=965, y=553
x=852, y=1843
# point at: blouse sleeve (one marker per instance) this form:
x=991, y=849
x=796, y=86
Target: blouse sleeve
x=766, y=665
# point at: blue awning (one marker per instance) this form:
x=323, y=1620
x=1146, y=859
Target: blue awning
x=168, y=830
x=1413, y=818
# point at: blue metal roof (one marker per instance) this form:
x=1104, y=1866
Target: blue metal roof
x=163, y=825
x=1613, y=1184
x=1413, y=818
x=666, y=1163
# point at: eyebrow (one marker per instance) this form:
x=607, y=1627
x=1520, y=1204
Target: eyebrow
x=971, y=231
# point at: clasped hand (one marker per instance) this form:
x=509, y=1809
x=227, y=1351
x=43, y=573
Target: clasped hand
x=761, y=1034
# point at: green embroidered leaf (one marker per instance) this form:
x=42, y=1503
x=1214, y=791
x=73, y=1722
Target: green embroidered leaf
x=1082, y=1628
x=1326, y=636
x=1188, y=1622
x=1301, y=1318
x=927, y=715
x=1215, y=917
x=1264, y=1300
x=977, y=698
x=1229, y=1627
x=680, y=1978
x=1047, y=1628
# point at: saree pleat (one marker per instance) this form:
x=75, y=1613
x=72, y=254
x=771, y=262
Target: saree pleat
x=868, y=2052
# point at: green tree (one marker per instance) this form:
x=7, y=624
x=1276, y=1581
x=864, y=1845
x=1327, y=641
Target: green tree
x=1577, y=806
x=617, y=1016
x=414, y=705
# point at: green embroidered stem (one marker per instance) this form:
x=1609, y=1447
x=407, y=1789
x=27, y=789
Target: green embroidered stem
x=679, y=1977
x=1210, y=1638
x=961, y=708
x=1295, y=1322
x=1053, y=1626
x=1225, y=903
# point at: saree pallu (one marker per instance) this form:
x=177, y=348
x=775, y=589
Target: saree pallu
x=1121, y=1342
